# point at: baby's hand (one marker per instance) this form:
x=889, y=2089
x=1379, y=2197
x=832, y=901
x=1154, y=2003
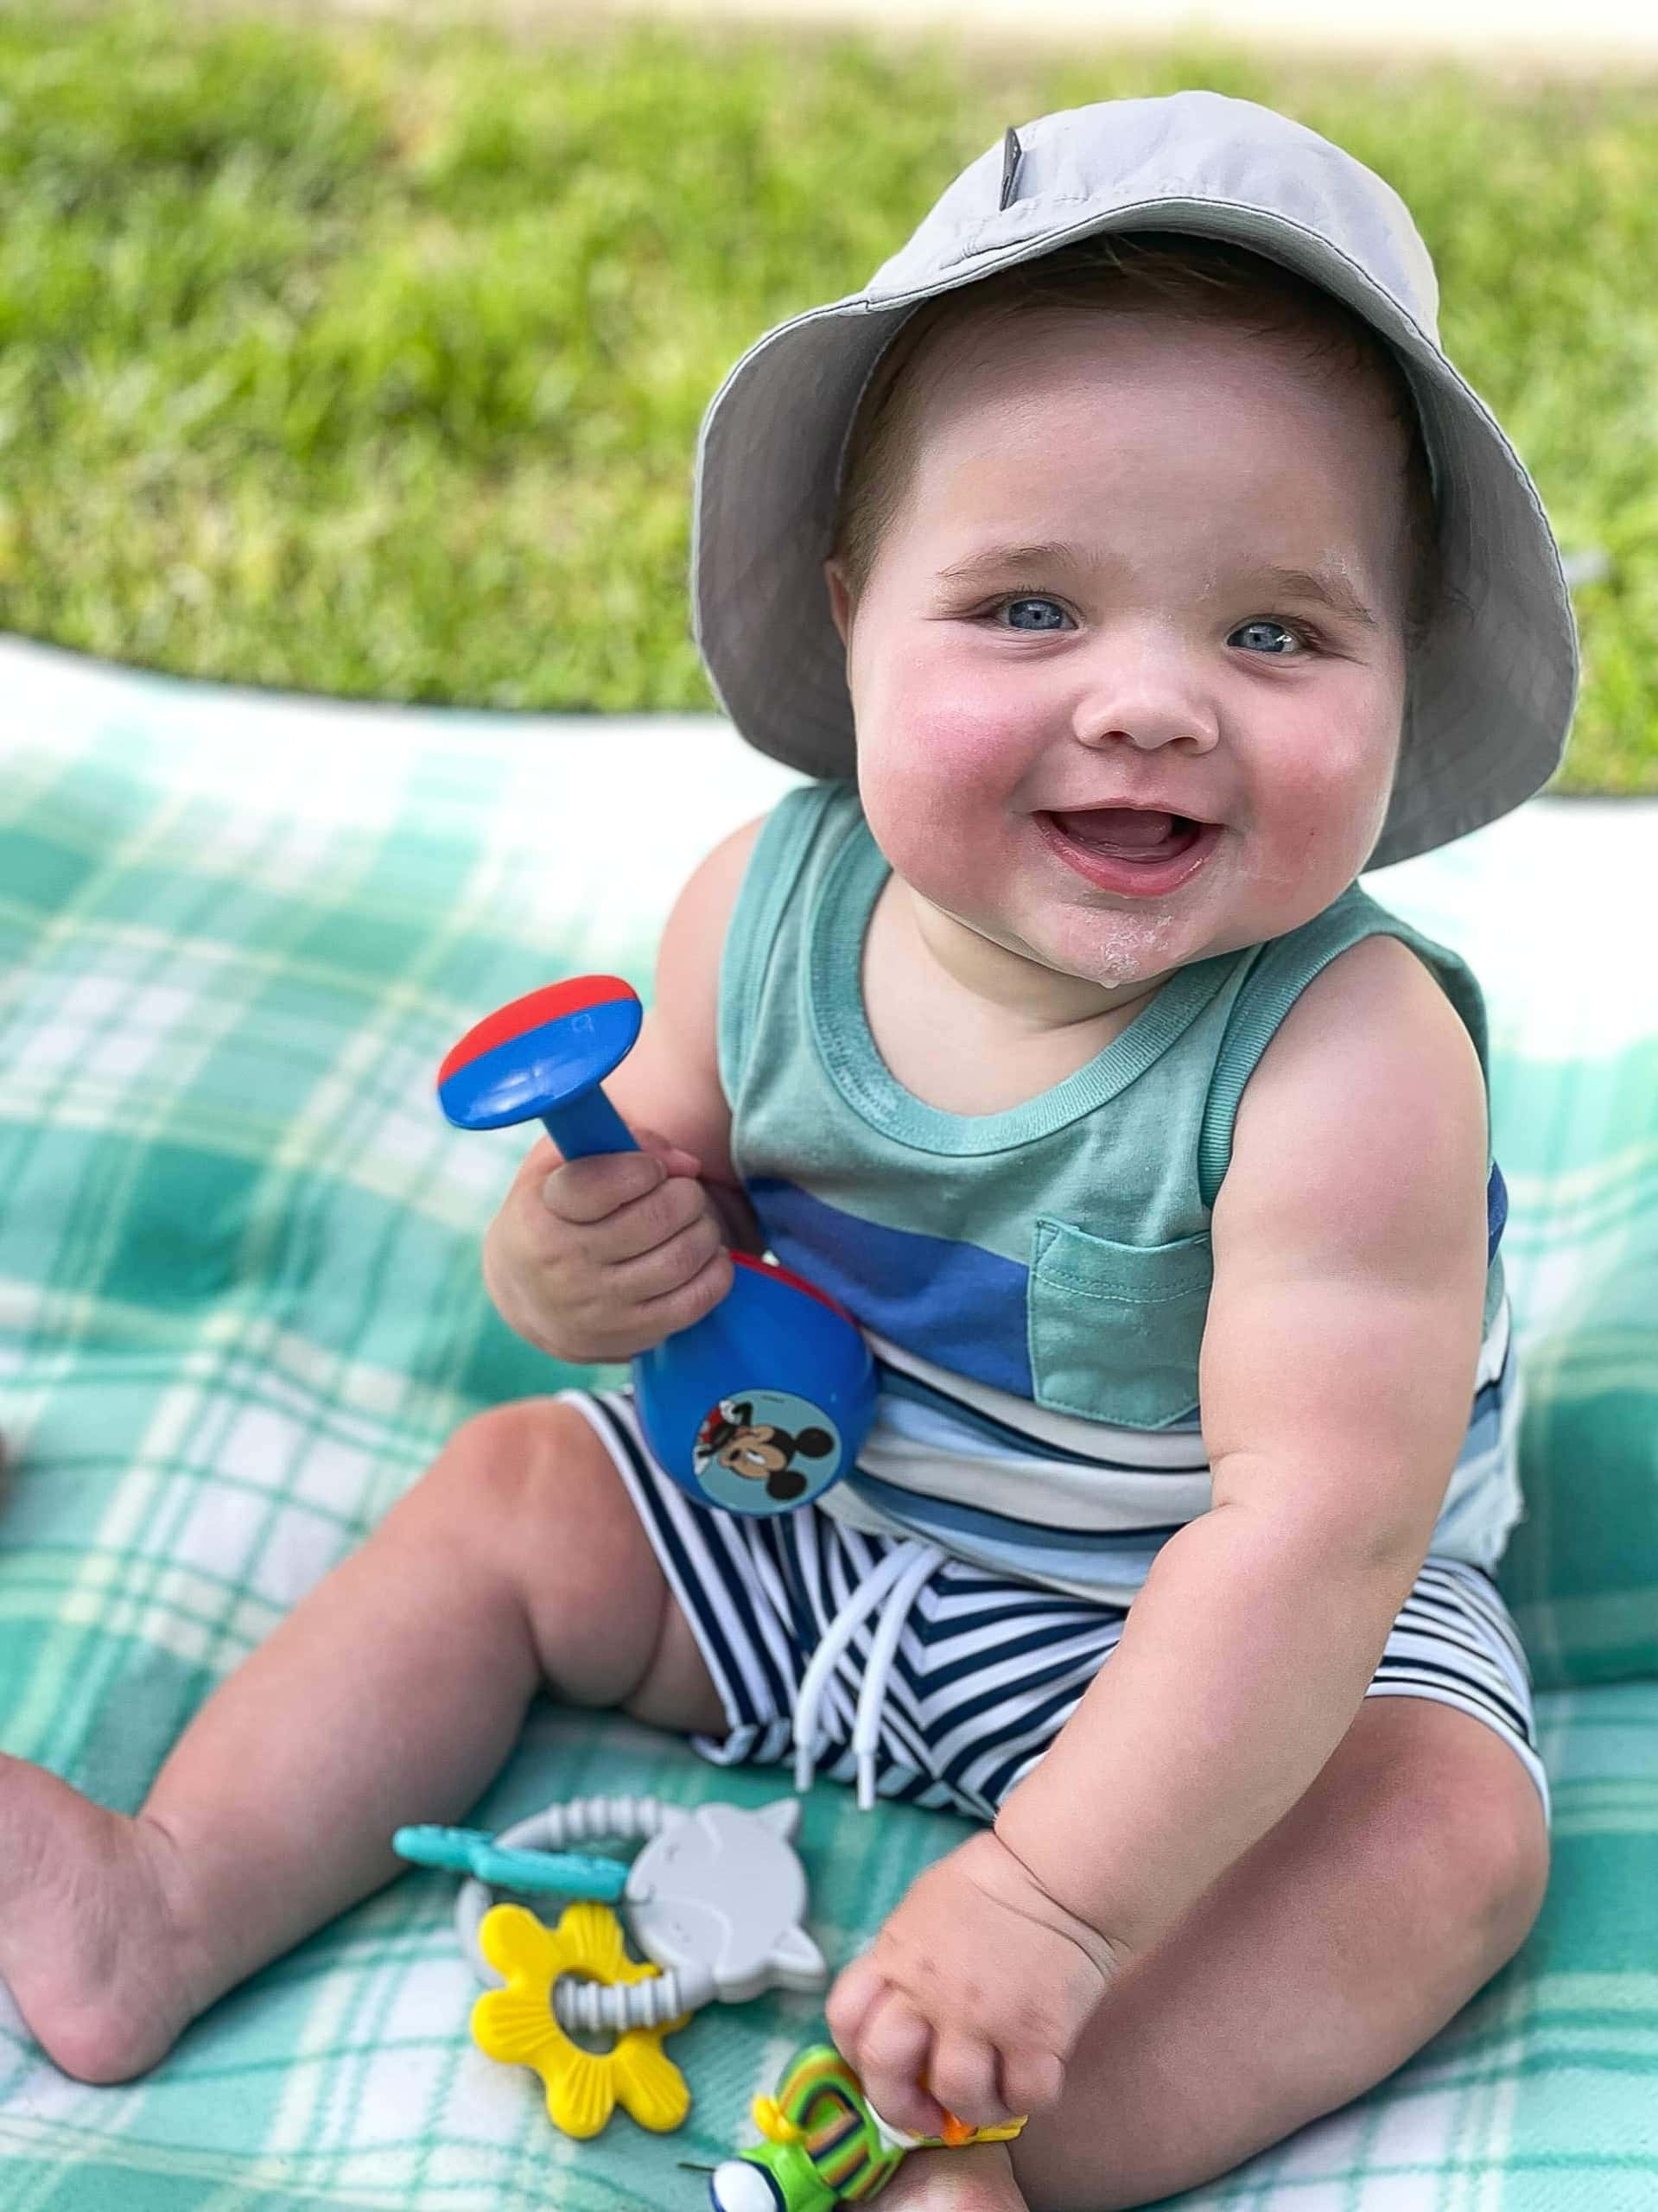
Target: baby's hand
x=604, y=1257
x=976, y=1991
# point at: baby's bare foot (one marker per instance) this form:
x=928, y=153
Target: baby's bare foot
x=977, y=2179
x=89, y=1945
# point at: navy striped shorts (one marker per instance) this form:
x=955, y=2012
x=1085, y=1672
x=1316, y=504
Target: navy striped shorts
x=983, y=1670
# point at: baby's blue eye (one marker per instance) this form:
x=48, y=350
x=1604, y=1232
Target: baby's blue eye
x=1277, y=651
x=1014, y=605
x=1271, y=638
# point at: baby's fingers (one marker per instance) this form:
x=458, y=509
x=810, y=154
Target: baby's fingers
x=963, y=2077
x=1031, y=2081
x=893, y=2053
x=855, y=1991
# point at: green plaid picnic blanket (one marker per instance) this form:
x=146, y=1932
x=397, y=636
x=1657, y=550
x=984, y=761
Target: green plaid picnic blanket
x=240, y=1309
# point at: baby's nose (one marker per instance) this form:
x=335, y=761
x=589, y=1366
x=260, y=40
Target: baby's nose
x=1146, y=691
x=1149, y=725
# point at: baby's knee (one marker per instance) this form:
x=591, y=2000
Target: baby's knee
x=531, y=1483
x=556, y=1516
x=1500, y=1842
x=1456, y=1822
x=519, y=1443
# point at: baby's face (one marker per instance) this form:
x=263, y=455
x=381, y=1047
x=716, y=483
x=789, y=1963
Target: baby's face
x=1177, y=657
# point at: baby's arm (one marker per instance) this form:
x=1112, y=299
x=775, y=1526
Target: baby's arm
x=1336, y=1380
x=671, y=1080
x=600, y=1258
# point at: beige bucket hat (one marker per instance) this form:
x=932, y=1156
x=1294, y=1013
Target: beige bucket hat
x=1491, y=690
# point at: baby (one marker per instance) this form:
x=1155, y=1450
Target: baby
x=1168, y=576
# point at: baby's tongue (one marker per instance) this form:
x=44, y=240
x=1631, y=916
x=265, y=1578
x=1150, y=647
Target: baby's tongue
x=1130, y=830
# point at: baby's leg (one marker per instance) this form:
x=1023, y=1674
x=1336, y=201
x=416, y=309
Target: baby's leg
x=391, y=1694
x=1320, y=1962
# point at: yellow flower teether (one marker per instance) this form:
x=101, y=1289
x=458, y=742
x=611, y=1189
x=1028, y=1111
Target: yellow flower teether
x=518, y=2025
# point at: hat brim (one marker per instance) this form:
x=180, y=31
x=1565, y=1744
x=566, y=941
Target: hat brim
x=1491, y=687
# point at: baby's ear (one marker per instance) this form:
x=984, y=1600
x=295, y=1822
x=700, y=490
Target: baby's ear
x=840, y=599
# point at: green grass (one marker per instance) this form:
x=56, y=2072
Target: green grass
x=370, y=359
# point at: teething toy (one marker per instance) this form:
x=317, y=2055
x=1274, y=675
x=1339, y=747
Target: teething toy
x=764, y=1402
x=469, y=1851
x=715, y=1900
x=519, y=2024
x=826, y=2144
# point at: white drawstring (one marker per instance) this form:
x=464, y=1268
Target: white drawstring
x=866, y=1735
x=902, y=1571
x=837, y=1637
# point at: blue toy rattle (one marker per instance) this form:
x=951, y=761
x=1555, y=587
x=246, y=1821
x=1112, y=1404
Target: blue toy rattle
x=764, y=1402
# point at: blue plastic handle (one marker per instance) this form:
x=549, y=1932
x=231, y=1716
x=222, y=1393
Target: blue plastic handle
x=589, y=1124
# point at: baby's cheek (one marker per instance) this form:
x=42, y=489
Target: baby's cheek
x=922, y=748
x=1340, y=819
x=1325, y=809
x=935, y=789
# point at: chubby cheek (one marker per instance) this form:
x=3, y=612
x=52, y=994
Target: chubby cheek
x=1318, y=824
x=937, y=789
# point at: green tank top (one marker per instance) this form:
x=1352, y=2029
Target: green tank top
x=1034, y=1283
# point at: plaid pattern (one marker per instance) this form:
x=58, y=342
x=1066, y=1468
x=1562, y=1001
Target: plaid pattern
x=239, y=1309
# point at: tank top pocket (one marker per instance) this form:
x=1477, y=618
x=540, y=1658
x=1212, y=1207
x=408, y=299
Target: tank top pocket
x=1115, y=1330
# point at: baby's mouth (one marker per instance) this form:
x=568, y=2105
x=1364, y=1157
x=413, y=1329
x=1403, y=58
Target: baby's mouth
x=1130, y=833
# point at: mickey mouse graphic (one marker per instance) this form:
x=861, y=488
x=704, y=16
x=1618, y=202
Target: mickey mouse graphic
x=758, y=1450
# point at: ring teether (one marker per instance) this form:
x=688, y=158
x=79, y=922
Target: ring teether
x=518, y=2025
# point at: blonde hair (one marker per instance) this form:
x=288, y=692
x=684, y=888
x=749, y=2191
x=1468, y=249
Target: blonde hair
x=1194, y=280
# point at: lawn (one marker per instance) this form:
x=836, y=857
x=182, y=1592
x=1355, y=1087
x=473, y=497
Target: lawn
x=366, y=359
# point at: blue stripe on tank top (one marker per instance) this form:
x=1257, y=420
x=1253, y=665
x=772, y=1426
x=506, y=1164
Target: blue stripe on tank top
x=1484, y=1432
x=1496, y=1211
x=949, y=1302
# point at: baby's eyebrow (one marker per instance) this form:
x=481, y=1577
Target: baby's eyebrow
x=1324, y=586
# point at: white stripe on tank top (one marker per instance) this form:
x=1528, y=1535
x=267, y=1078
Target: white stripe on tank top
x=947, y=1456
